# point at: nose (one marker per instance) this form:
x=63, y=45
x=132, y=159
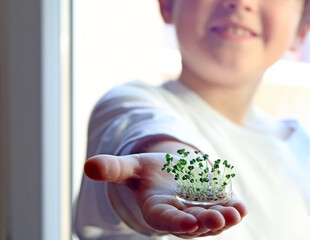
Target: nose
x=246, y=5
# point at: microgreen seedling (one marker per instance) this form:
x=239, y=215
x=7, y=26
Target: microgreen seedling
x=198, y=181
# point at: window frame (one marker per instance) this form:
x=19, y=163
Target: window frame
x=35, y=134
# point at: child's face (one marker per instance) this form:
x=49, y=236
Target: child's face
x=232, y=41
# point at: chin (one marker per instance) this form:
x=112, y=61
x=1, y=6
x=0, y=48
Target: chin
x=235, y=79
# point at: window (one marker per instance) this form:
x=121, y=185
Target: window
x=39, y=103
x=35, y=133
x=120, y=40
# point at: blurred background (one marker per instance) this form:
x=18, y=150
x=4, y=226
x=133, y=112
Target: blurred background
x=58, y=57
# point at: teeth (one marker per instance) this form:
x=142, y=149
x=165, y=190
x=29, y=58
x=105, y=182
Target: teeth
x=237, y=31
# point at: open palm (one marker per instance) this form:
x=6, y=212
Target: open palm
x=154, y=193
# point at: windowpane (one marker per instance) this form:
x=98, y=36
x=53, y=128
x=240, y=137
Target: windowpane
x=120, y=40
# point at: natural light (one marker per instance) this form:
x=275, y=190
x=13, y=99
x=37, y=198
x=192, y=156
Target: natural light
x=115, y=41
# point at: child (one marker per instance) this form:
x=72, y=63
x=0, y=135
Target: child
x=226, y=46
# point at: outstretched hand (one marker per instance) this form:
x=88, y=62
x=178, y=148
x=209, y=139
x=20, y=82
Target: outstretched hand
x=154, y=192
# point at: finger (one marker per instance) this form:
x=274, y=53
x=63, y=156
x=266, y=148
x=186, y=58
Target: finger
x=208, y=219
x=111, y=168
x=165, y=217
x=239, y=206
x=213, y=233
x=165, y=213
x=231, y=215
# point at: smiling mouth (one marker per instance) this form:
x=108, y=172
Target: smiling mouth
x=234, y=31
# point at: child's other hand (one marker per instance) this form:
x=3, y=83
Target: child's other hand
x=154, y=192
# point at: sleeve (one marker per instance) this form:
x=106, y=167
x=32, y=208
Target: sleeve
x=132, y=112
x=125, y=115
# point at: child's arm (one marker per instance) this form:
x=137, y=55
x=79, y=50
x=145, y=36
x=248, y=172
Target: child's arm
x=150, y=206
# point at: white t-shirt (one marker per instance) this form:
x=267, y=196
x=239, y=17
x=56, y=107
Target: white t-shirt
x=272, y=172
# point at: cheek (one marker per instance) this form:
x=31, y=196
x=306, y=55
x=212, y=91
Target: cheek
x=279, y=31
x=280, y=27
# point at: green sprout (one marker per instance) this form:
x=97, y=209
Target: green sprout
x=197, y=179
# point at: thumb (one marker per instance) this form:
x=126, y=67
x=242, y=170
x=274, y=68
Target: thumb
x=108, y=168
